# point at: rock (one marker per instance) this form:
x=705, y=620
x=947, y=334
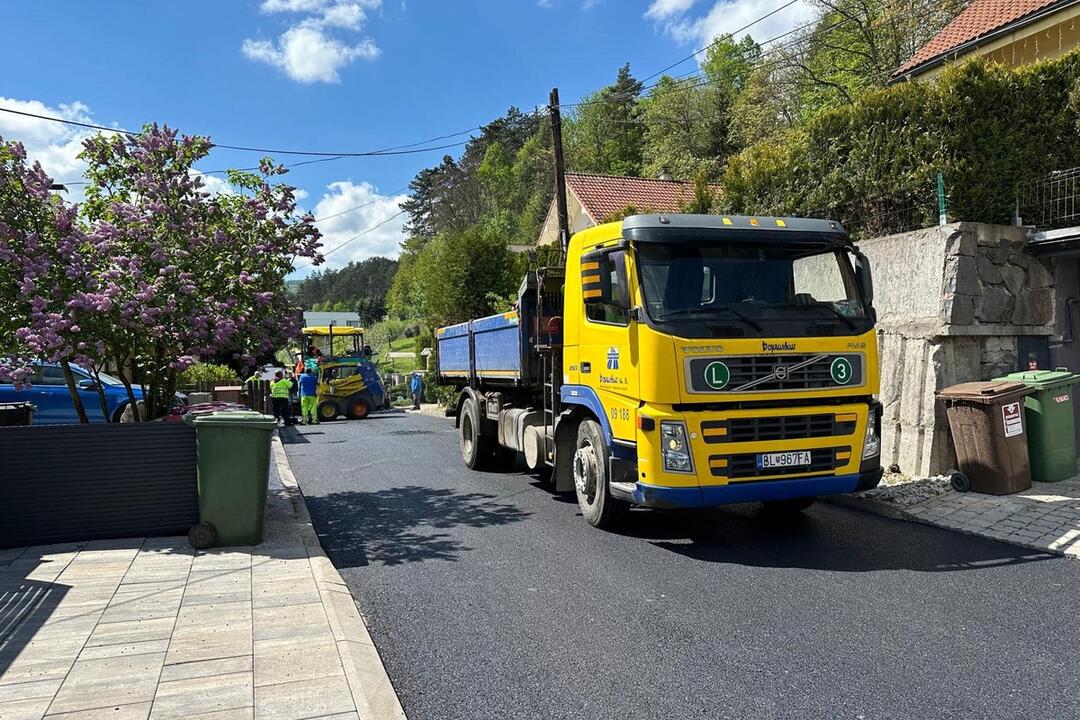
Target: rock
x=1020, y=259
x=1014, y=278
x=989, y=272
x=1039, y=275
x=962, y=276
x=995, y=305
x=962, y=310
x=1034, y=307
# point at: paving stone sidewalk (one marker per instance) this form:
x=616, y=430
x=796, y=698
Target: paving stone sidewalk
x=1046, y=517
x=150, y=628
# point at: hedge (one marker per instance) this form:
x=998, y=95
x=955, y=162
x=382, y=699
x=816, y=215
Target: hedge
x=873, y=164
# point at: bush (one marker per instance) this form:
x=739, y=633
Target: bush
x=873, y=164
x=206, y=373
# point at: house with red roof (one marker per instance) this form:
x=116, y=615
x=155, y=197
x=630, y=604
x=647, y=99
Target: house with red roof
x=592, y=199
x=1012, y=32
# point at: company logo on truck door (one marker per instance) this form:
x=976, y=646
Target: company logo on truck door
x=777, y=347
x=613, y=358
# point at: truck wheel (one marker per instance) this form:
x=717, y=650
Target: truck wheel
x=358, y=409
x=328, y=411
x=591, y=477
x=476, y=448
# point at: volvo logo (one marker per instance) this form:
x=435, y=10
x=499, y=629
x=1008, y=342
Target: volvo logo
x=781, y=372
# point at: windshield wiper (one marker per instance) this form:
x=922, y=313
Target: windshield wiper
x=710, y=311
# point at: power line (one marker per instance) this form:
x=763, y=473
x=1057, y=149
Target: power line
x=372, y=202
x=765, y=57
x=357, y=236
x=720, y=39
x=399, y=150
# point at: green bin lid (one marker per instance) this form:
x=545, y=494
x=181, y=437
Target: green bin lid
x=235, y=417
x=1043, y=379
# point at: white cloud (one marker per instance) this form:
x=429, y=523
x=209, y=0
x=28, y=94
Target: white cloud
x=663, y=9
x=213, y=184
x=372, y=209
x=307, y=52
x=729, y=16
x=55, y=145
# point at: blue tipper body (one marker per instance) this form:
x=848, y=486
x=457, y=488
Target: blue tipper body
x=489, y=348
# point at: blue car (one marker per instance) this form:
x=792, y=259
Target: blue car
x=49, y=393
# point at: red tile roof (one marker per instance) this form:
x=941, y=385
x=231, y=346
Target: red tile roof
x=981, y=18
x=603, y=195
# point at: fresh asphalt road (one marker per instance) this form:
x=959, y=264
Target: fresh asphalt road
x=490, y=597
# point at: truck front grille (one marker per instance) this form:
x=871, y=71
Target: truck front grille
x=790, y=427
x=745, y=465
x=771, y=373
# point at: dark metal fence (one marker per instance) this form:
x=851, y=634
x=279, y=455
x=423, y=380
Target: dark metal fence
x=103, y=480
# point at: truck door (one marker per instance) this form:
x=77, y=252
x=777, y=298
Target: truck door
x=607, y=362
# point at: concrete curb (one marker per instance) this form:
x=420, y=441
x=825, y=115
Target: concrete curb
x=373, y=693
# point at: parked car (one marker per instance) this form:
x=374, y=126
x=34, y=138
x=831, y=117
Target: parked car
x=49, y=393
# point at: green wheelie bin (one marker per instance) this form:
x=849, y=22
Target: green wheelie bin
x=233, y=470
x=1051, y=423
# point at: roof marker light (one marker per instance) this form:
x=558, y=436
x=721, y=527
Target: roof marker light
x=754, y=222
x=727, y=221
x=780, y=223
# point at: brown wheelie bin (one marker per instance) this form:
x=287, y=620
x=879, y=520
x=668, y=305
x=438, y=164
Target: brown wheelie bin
x=990, y=435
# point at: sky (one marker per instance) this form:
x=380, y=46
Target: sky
x=334, y=76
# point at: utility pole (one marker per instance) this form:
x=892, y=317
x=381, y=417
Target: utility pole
x=560, y=170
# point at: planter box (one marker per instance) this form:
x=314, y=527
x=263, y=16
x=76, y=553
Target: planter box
x=83, y=482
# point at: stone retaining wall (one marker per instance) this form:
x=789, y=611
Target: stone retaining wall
x=953, y=302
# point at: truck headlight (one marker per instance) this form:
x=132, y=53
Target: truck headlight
x=872, y=443
x=675, y=448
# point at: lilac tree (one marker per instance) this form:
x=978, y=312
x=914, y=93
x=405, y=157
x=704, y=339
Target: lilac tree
x=45, y=259
x=152, y=272
x=185, y=274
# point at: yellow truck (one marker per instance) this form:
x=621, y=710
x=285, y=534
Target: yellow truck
x=681, y=361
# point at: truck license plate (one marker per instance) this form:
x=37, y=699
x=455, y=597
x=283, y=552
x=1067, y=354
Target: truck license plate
x=797, y=458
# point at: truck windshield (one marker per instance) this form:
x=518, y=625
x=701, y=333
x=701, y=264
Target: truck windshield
x=751, y=285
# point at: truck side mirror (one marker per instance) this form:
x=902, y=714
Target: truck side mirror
x=592, y=289
x=864, y=278
x=603, y=279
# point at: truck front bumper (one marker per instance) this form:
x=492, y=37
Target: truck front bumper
x=751, y=491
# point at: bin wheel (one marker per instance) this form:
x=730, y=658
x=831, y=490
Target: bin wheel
x=202, y=536
x=327, y=410
x=960, y=482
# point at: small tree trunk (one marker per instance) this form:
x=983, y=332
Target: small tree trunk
x=73, y=390
x=132, y=402
x=96, y=372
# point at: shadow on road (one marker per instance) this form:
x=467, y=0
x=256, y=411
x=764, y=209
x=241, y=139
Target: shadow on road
x=824, y=538
x=401, y=525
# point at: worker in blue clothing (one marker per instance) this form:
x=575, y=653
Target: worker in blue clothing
x=309, y=397
x=416, y=387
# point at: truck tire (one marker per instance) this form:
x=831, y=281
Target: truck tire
x=327, y=411
x=591, y=477
x=476, y=448
x=358, y=408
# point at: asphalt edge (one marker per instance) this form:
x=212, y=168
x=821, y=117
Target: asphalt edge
x=884, y=509
x=373, y=693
